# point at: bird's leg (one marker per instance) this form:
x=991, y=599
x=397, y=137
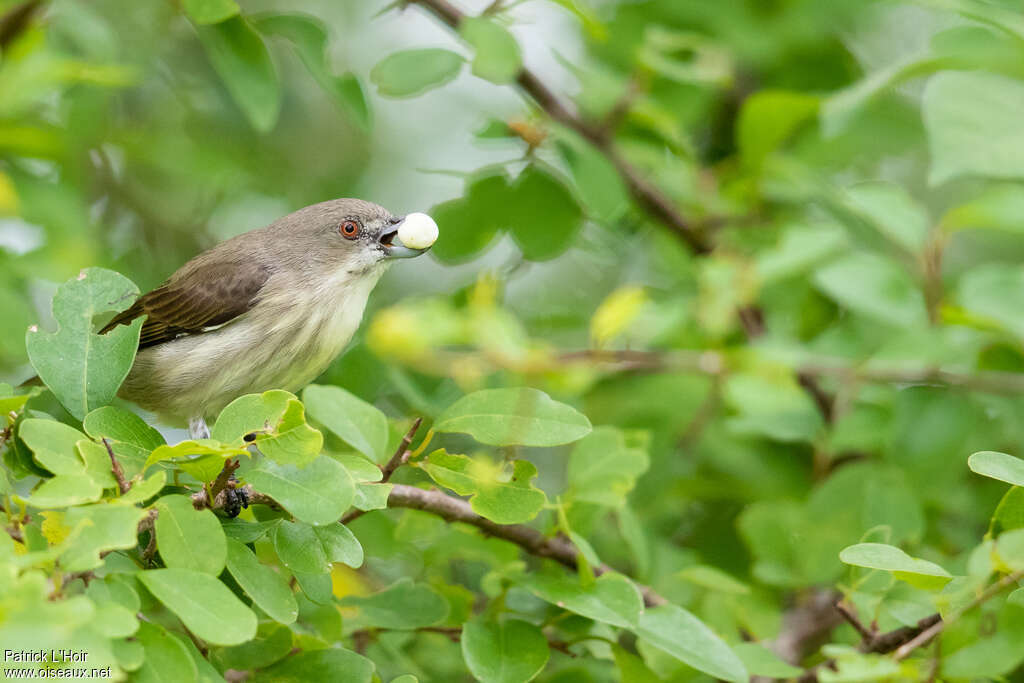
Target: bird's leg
x=197, y=428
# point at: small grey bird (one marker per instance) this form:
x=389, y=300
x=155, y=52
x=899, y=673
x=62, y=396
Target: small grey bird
x=268, y=309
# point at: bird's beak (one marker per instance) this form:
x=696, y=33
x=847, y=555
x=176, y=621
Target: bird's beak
x=416, y=228
x=393, y=247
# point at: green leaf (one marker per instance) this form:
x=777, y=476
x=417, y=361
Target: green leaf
x=875, y=287
x=508, y=417
x=916, y=572
x=372, y=496
x=1000, y=207
x=760, y=661
x=603, y=469
x=497, y=57
x=998, y=466
x=996, y=292
x=318, y=493
x=771, y=406
x=311, y=550
x=611, y=599
x=65, y=490
x=340, y=544
x=96, y=529
x=273, y=642
x=1010, y=549
x=768, y=119
x=278, y=421
x=127, y=432
x=53, y=445
x=203, y=458
x=402, y=605
x=598, y=183
x=355, y=421
x=469, y=223
x=241, y=59
x=84, y=370
x=143, y=490
x=205, y=12
x=713, y=579
x=330, y=664
x=188, y=538
x=972, y=127
x=893, y=212
x=308, y=36
x=247, y=532
x=412, y=72
x=266, y=587
x=545, y=217
x=673, y=630
x=501, y=495
x=167, y=660
x=205, y=605
x=511, y=651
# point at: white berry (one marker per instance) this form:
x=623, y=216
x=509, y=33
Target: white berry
x=418, y=231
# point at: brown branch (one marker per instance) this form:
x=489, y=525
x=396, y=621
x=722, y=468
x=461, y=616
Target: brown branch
x=935, y=629
x=848, y=613
x=115, y=467
x=402, y=453
x=221, y=482
x=646, y=194
x=716, y=363
x=453, y=509
x=15, y=21
x=401, y=456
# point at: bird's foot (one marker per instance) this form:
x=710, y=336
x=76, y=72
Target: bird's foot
x=197, y=428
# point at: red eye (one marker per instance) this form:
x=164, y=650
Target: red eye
x=350, y=229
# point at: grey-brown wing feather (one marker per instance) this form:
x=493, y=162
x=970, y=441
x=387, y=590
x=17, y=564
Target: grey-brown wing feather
x=194, y=301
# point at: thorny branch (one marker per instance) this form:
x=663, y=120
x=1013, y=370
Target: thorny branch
x=648, y=195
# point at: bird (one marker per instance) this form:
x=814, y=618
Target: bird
x=267, y=309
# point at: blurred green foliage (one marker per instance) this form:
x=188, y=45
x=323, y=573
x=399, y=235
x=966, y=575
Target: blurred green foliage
x=730, y=316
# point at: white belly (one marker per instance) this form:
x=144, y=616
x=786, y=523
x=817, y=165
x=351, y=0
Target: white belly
x=283, y=343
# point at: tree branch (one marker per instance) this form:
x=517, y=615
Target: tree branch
x=935, y=629
x=15, y=21
x=715, y=363
x=401, y=456
x=646, y=194
x=115, y=467
x=453, y=509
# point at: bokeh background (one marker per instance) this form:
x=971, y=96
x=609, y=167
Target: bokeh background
x=784, y=236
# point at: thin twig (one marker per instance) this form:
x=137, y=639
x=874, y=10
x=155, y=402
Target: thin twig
x=647, y=195
x=401, y=456
x=716, y=363
x=935, y=629
x=221, y=482
x=115, y=467
x=402, y=453
x=453, y=509
x=15, y=21
x=866, y=634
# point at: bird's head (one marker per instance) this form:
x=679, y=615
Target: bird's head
x=355, y=235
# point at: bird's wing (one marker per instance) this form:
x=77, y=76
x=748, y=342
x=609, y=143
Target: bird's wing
x=198, y=301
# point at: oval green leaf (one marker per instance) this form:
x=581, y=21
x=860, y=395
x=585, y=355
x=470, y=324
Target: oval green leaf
x=188, y=538
x=205, y=605
x=412, y=72
x=519, y=416
x=266, y=587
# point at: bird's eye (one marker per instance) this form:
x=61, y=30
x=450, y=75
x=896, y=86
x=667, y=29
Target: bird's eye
x=349, y=229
